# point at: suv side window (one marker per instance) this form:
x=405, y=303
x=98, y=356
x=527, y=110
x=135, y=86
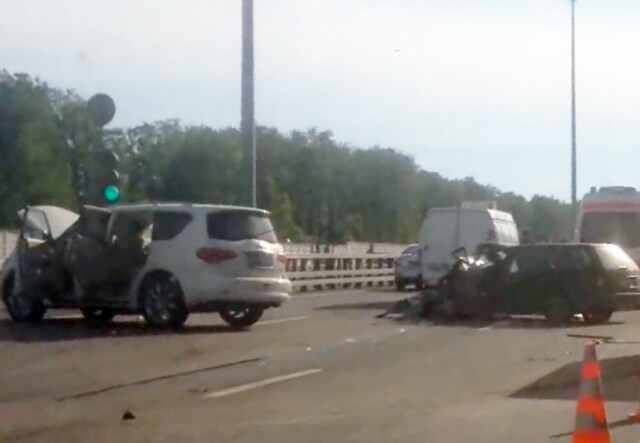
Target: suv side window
x=167, y=225
x=528, y=262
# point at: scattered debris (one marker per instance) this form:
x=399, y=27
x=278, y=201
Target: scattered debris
x=128, y=415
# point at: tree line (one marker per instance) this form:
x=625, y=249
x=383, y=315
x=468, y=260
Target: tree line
x=315, y=187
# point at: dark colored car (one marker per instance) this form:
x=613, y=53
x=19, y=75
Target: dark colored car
x=554, y=280
x=407, y=270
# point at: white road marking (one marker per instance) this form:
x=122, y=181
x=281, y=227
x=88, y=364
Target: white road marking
x=66, y=317
x=330, y=294
x=282, y=320
x=494, y=325
x=262, y=383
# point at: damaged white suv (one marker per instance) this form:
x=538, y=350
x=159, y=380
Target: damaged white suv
x=163, y=261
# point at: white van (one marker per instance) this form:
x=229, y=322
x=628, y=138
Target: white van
x=447, y=229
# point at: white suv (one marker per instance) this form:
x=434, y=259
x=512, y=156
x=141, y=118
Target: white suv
x=161, y=260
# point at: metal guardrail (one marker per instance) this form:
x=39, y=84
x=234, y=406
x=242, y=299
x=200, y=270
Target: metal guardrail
x=310, y=272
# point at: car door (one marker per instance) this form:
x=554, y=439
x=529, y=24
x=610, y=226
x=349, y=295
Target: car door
x=35, y=247
x=525, y=271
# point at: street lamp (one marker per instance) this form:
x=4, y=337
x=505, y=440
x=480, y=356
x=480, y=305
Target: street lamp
x=248, y=106
x=574, y=179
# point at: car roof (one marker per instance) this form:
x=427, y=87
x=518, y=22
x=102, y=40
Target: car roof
x=160, y=206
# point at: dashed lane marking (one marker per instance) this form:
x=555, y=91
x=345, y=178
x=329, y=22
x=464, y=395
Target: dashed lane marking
x=262, y=383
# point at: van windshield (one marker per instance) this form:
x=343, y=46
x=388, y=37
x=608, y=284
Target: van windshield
x=622, y=229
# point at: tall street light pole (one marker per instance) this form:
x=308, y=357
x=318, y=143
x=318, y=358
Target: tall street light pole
x=248, y=106
x=574, y=178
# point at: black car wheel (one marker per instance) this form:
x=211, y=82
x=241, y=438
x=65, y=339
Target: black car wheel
x=162, y=301
x=24, y=305
x=241, y=316
x=598, y=316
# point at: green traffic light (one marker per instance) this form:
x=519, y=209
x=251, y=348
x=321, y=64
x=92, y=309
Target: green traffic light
x=111, y=194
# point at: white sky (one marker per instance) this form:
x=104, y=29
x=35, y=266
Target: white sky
x=476, y=88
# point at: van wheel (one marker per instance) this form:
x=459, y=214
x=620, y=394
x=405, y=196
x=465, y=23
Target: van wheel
x=598, y=316
x=162, y=301
x=241, y=316
x=22, y=306
x=557, y=313
x=97, y=315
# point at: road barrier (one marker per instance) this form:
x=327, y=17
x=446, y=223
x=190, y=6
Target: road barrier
x=310, y=272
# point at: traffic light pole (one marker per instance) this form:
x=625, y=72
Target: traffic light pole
x=574, y=174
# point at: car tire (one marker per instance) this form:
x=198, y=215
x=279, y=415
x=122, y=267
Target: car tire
x=97, y=315
x=162, y=301
x=598, y=316
x=558, y=313
x=241, y=316
x=22, y=307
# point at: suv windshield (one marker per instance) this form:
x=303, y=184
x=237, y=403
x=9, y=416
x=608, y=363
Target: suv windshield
x=236, y=225
x=622, y=229
x=613, y=257
x=411, y=250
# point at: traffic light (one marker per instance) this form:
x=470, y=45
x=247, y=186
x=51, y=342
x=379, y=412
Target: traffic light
x=106, y=177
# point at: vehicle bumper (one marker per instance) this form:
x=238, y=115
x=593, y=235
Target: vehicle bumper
x=627, y=301
x=407, y=276
x=269, y=292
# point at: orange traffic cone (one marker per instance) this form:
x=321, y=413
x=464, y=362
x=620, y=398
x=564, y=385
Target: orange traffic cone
x=591, y=416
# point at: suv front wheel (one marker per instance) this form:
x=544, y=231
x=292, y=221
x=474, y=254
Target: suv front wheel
x=241, y=316
x=22, y=306
x=162, y=301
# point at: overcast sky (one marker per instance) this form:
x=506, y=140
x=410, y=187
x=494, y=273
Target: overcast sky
x=467, y=87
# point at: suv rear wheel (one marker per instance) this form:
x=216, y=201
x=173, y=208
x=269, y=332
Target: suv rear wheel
x=241, y=316
x=162, y=301
x=22, y=306
x=598, y=315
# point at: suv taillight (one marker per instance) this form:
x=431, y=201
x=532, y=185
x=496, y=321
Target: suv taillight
x=213, y=256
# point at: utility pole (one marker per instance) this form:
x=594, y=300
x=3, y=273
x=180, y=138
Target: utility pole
x=248, y=107
x=574, y=179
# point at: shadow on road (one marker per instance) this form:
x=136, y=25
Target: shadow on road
x=51, y=330
x=403, y=312
x=620, y=381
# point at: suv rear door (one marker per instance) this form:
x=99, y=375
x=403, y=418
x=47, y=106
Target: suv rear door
x=243, y=243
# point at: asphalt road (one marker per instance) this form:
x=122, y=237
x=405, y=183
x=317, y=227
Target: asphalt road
x=321, y=369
